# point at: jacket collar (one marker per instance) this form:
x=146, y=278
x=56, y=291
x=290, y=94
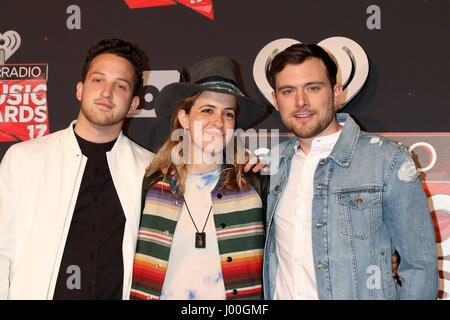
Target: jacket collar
x=290, y=147
x=71, y=140
x=173, y=184
x=344, y=149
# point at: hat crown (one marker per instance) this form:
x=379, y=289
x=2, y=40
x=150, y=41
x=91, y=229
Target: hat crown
x=211, y=69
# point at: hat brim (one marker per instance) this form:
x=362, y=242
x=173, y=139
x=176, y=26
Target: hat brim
x=173, y=94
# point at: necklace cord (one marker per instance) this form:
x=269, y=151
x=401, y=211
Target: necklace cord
x=185, y=202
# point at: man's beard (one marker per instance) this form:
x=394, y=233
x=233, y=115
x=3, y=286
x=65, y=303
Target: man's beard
x=306, y=132
x=102, y=119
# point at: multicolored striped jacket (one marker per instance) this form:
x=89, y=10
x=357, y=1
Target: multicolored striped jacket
x=239, y=222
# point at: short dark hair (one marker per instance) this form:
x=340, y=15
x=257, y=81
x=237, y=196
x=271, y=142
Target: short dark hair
x=297, y=53
x=122, y=49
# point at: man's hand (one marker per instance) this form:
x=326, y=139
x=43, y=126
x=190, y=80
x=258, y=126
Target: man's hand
x=395, y=262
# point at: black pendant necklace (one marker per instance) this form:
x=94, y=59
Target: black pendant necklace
x=200, y=237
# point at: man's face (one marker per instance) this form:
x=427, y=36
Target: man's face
x=107, y=93
x=305, y=99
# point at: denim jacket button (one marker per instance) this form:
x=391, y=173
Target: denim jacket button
x=277, y=188
x=321, y=265
x=319, y=224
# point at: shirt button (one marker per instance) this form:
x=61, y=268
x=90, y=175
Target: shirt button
x=175, y=202
x=229, y=259
x=234, y=292
x=223, y=225
x=219, y=196
x=95, y=198
x=94, y=227
x=166, y=232
x=158, y=266
x=92, y=256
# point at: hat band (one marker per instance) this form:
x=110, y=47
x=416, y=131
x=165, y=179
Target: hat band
x=222, y=85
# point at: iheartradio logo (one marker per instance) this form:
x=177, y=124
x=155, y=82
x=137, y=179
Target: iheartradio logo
x=352, y=62
x=9, y=43
x=23, y=94
x=439, y=201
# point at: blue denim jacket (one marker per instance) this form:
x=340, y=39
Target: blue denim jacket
x=368, y=202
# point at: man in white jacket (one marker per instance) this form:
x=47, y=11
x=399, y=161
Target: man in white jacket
x=70, y=201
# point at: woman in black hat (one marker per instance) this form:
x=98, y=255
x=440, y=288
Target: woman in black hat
x=202, y=229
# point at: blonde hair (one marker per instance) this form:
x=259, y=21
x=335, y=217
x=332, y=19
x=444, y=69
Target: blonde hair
x=163, y=166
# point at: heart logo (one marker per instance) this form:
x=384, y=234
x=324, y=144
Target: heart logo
x=9, y=43
x=352, y=62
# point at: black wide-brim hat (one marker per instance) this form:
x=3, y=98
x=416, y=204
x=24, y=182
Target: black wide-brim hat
x=213, y=74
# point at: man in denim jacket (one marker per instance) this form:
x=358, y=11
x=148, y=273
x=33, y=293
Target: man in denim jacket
x=341, y=200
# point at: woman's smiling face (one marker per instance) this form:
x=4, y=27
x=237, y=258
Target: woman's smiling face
x=211, y=116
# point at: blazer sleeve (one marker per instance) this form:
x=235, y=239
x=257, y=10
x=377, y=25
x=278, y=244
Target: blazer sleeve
x=144, y=191
x=9, y=200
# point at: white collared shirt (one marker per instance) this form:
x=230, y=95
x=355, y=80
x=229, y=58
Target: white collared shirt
x=293, y=222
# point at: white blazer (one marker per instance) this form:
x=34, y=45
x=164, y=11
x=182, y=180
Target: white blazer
x=39, y=184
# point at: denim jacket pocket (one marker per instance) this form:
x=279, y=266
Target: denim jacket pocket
x=360, y=211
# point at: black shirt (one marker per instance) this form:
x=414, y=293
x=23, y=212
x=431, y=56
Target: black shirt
x=92, y=262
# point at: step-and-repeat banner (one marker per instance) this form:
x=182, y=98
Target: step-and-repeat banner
x=392, y=57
